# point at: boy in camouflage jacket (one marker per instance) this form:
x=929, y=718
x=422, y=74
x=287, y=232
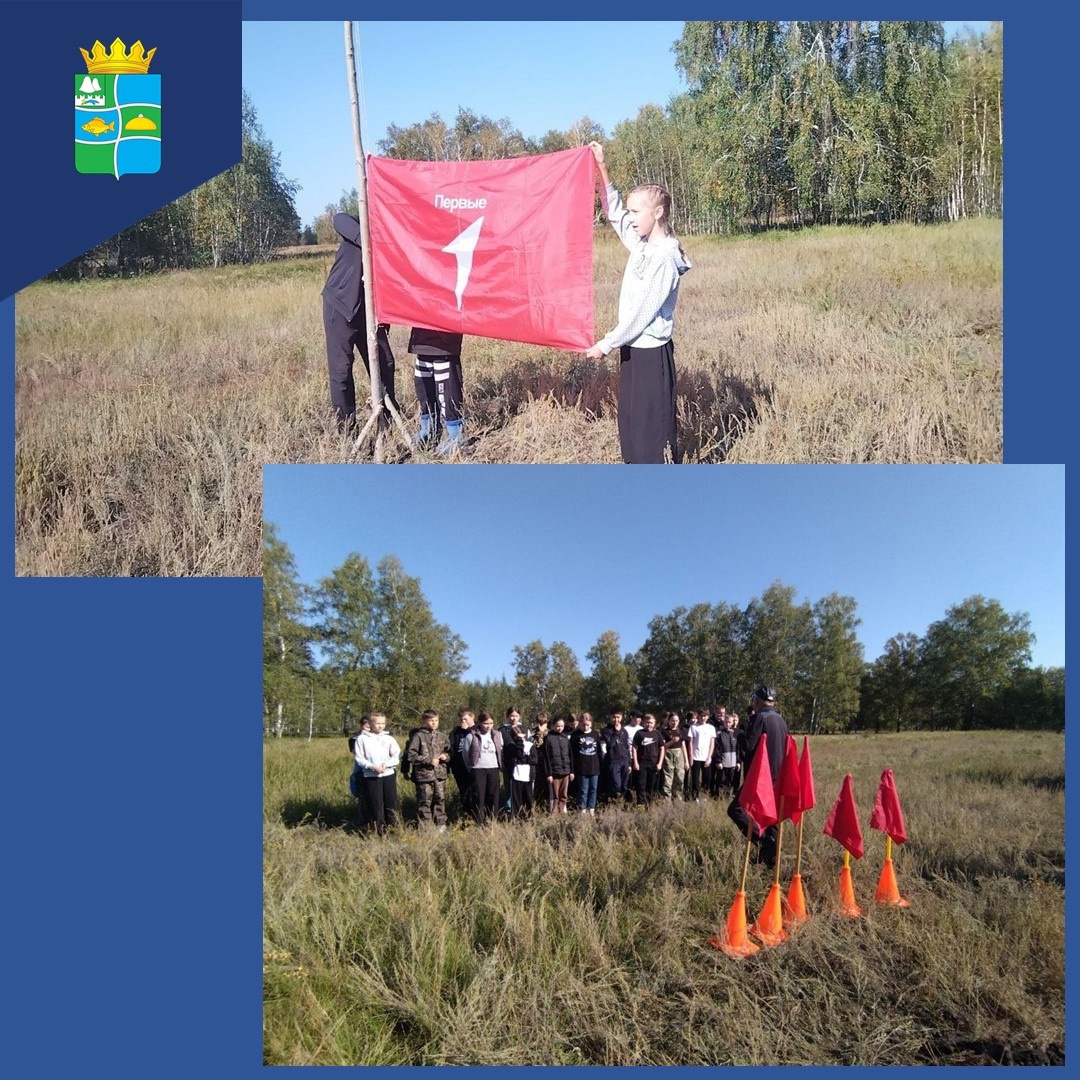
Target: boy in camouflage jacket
x=428, y=753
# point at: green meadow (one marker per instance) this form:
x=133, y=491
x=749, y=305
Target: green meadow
x=580, y=941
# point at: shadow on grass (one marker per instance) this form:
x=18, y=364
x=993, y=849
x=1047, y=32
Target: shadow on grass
x=950, y=1050
x=714, y=409
x=588, y=385
x=1046, y=867
x=344, y=815
x=1001, y=777
x=330, y=815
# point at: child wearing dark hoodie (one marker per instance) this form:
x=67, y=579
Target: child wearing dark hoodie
x=650, y=291
x=558, y=766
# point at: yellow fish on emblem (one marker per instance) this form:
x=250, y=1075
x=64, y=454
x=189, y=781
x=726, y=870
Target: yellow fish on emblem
x=97, y=126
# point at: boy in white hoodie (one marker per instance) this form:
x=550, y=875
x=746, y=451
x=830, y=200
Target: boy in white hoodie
x=650, y=291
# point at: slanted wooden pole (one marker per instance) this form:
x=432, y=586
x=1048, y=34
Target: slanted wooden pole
x=365, y=249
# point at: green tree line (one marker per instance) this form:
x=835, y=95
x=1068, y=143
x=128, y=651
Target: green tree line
x=239, y=216
x=783, y=124
x=786, y=123
x=362, y=639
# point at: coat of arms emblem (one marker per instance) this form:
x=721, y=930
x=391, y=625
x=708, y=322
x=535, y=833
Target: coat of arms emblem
x=117, y=111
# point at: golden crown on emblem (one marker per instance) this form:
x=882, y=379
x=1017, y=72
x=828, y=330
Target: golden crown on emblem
x=118, y=61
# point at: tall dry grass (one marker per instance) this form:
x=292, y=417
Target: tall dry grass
x=583, y=941
x=146, y=408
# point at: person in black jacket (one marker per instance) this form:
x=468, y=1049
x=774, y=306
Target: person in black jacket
x=540, y=784
x=458, y=765
x=345, y=323
x=438, y=383
x=726, y=772
x=768, y=723
x=511, y=727
x=522, y=754
x=616, y=743
x=558, y=766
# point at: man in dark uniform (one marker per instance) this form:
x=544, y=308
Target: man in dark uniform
x=345, y=322
x=766, y=721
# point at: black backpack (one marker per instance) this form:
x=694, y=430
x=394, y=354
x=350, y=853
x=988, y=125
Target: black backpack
x=354, y=776
x=406, y=767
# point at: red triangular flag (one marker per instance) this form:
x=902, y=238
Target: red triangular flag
x=788, y=790
x=843, y=823
x=756, y=795
x=887, y=816
x=806, y=783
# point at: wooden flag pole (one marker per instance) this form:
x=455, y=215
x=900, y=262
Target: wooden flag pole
x=365, y=250
x=779, y=840
x=746, y=857
x=798, y=850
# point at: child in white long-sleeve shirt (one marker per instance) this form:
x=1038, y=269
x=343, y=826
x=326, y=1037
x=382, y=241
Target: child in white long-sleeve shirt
x=378, y=755
x=650, y=291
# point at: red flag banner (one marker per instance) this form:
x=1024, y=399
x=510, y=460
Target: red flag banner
x=887, y=816
x=807, y=798
x=843, y=822
x=788, y=788
x=499, y=249
x=756, y=796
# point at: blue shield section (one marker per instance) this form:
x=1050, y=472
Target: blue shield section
x=138, y=89
x=138, y=156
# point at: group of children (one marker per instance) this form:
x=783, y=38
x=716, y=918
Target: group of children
x=558, y=762
x=643, y=335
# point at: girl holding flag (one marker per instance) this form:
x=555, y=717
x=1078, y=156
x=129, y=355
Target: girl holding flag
x=650, y=291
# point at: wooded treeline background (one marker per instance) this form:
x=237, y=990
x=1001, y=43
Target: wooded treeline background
x=360, y=640
x=783, y=124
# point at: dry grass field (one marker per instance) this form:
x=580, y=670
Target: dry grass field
x=580, y=941
x=145, y=408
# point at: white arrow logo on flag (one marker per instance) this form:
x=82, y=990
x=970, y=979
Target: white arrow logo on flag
x=463, y=246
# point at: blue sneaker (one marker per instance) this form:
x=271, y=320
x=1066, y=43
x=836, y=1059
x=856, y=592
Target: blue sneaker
x=454, y=439
x=426, y=433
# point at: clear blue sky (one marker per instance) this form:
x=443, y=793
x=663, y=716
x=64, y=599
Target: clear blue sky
x=509, y=554
x=538, y=75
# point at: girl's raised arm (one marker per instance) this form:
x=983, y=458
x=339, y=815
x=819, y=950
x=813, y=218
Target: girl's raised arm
x=614, y=210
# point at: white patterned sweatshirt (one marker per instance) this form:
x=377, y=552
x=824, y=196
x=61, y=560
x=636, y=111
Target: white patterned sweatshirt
x=650, y=286
x=377, y=748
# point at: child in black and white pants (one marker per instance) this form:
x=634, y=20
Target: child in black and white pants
x=438, y=383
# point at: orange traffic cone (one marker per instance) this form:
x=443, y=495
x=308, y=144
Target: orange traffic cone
x=795, y=904
x=887, y=890
x=769, y=928
x=732, y=939
x=847, y=893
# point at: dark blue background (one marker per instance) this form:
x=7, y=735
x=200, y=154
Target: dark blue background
x=132, y=793
x=198, y=59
